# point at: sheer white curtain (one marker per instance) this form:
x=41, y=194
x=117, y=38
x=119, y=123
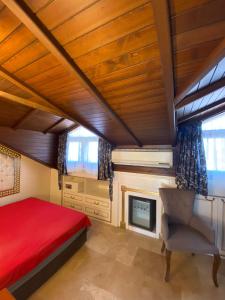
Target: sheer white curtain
x=213, y=131
x=82, y=153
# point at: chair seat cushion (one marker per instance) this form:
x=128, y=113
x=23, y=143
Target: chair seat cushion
x=186, y=239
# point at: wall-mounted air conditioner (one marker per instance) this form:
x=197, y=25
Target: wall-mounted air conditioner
x=146, y=157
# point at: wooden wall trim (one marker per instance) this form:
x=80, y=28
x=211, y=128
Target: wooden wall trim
x=29, y=19
x=144, y=170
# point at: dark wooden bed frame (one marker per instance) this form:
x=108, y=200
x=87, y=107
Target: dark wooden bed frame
x=32, y=284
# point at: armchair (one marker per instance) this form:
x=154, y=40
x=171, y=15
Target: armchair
x=184, y=231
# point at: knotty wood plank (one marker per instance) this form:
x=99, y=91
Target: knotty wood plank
x=112, y=31
x=8, y=23
x=98, y=14
x=200, y=16
x=15, y=42
x=32, y=52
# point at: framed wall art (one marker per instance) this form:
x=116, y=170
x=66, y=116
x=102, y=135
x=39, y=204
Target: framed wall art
x=9, y=171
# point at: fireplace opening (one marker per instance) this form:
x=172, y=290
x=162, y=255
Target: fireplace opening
x=142, y=212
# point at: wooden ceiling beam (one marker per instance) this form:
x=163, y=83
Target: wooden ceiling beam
x=33, y=23
x=23, y=101
x=29, y=114
x=72, y=127
x=162, y=20
x=208, y=110
x=201, y=93
x=53, y=125
x=55, y=110
x=26, y=102
x=214, y=58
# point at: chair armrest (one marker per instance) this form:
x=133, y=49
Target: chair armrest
x=207, y=231
x=165, y=227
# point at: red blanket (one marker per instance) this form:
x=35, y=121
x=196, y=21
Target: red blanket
x=30, y=230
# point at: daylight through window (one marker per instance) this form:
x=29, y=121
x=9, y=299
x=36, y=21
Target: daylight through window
x=82, y=153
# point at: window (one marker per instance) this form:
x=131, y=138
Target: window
x=213, y=131
x=214, y=142
x=82, y=153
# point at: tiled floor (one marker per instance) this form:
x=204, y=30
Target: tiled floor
x=121, y=265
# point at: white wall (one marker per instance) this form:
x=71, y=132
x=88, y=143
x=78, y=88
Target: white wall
x=55, y=193
x=35, y=181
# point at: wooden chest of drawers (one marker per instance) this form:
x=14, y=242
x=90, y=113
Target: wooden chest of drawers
x=96, y=207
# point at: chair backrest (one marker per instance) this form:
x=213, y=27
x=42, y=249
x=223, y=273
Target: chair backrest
x=178, y=204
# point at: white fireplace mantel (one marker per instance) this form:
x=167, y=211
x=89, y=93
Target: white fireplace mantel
x=141, y=185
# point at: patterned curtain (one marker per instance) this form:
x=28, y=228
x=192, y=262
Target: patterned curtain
x=62, y=170
x=105, y=170
x=191, y=171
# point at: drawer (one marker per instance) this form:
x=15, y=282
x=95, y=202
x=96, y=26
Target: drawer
x=73, y=205
x=73, y=197
x=97, y=213
x=97, y=203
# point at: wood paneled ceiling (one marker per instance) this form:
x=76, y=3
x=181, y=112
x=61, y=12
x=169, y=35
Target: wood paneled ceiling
x=118, y=67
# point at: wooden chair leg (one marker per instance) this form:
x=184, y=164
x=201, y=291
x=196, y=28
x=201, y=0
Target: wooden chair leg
x=168, y=259
x=163, y=247
x=216, y=264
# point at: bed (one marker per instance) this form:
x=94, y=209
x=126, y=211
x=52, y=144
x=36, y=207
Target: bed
x=36, y=238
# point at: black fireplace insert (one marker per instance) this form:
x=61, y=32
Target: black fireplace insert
x=142, y=212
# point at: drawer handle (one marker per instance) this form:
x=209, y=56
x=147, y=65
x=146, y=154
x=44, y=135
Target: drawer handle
x=96, y=203
x=96, y=213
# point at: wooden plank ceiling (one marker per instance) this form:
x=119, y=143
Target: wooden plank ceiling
x=113, y=66
x=198, y=29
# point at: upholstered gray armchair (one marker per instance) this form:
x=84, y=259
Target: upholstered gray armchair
x=184, y=231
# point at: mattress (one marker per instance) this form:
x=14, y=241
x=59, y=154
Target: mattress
x=30, y=231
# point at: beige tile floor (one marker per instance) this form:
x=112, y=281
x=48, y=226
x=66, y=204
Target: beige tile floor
x=121, y=265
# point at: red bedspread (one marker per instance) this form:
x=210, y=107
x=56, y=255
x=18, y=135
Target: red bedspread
x=30, y=230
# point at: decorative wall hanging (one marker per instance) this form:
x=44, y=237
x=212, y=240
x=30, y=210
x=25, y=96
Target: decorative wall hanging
x=9, y=171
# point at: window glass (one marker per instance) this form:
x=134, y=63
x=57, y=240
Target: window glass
x=213, y=131
x=93, y=152
x=73, y=149
x=82, y=153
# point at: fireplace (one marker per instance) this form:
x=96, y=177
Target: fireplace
x=142, y=212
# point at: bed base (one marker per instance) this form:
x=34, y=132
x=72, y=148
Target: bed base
x=33, y=283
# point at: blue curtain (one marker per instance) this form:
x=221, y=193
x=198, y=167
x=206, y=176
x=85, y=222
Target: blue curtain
x=62, y=170
x=191, y=173
x=105, y=169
